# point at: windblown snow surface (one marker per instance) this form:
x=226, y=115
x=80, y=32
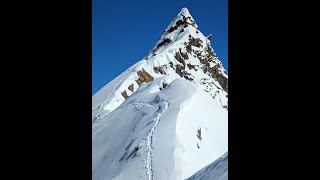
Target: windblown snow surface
x=218, y=170
x=154, y=134
x=166, y=116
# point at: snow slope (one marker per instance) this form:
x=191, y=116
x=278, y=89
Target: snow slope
x=218, y=170
x=154, y=134
x=166, y=116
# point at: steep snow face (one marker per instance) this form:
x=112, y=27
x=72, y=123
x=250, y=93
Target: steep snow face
x=166, y=134
x=181, y=52
x=218, y=170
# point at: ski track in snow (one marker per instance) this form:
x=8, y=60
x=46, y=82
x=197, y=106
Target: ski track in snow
x=145, y=166
x=149, y=142
x=115, y=87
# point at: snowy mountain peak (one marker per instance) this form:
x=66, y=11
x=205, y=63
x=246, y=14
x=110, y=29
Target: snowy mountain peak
x=166, y=116
x=185, y=11
x=181, y=52
x=181, y=24
x=185, y=17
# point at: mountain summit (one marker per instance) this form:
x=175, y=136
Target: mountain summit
x=165, y=117
x=181, y=52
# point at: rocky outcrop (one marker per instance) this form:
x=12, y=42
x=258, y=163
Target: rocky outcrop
x=181, y=57
x=180, y=69
x=190, y=66
x=185, y=22
x=144, y=77
x=131, y=87
x=193, y=47
x=223, y=81
x=197, y=42
x=163, y=85
x=189, y=48
x=160, y=69
x=216, y=74
x=199, y=134
x=210, y=52
x=124, y=94
x=165, y=41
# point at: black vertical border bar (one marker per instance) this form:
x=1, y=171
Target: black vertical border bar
x=86, y=88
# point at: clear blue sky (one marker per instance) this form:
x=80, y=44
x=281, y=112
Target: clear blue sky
x=123, y=31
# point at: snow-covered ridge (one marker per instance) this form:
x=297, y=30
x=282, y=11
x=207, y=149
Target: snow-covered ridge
x=182, y=51
x=154, y=134
x=218, y=170
x=166, y=116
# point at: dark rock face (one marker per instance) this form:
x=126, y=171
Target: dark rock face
x=199, y=134
x=180, y=69
x=207, y=57
x=160, y=69
x=181, y=57
x=178, y=23
x=182, y=22
x=184, y=55
x=215, y=73
x=176, y=26
x=223, y=81
x=124, y=94
x=144, y=77
x=209, y=37
x=165, y=41
x=189, y=48
x=204, y=59
x=131, y=87
x=197, y=42
x=190, y=66
x=209, y=63
x=210, y=52
x=163, y=85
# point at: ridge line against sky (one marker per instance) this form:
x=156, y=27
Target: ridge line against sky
x=123, y=32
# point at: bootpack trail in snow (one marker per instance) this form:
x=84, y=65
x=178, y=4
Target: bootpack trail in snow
x=144, y=134
x=115, y=87
x=150, y=139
